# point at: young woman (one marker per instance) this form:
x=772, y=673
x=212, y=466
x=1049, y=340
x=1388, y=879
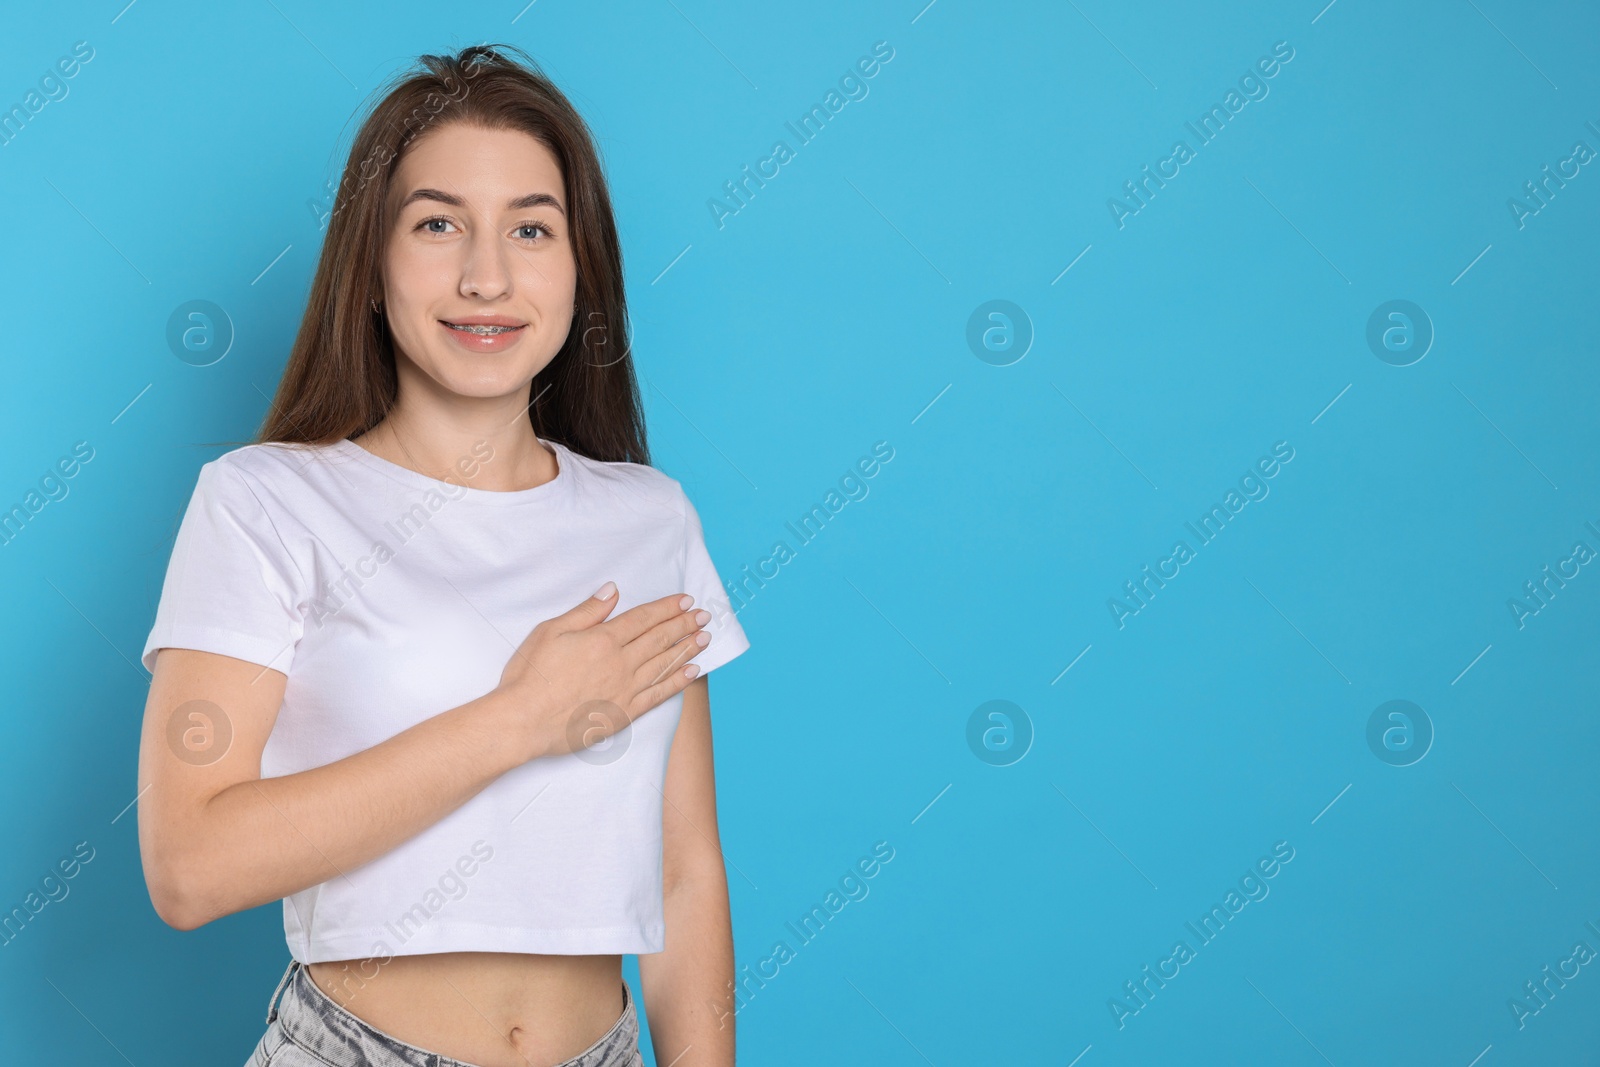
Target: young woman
x=422, y=661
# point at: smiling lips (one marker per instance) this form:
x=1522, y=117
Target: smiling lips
x=484, y=325
x=482, y=334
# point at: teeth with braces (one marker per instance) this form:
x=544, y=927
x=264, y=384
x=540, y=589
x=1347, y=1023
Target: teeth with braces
x=486, y=330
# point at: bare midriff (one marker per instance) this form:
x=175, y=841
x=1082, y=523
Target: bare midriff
x=494, y=1009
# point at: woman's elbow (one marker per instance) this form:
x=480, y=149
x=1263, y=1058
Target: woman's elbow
x=172, y=889
x=174, y=903
x=176, y=913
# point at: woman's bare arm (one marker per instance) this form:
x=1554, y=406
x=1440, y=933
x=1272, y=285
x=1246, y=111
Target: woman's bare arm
x=216, y=838
x=688, y=987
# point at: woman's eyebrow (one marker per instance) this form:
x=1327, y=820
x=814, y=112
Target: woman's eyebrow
x=530, y=200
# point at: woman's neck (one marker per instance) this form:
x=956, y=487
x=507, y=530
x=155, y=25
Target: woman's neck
x=506, y=460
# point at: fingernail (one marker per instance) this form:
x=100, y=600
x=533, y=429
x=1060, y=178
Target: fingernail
x=686, y=602
x=606, y=591
x=702, y=639
x=702, y=617
x=691, y=670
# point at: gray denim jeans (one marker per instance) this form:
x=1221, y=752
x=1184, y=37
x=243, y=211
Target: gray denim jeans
x=308, y=1029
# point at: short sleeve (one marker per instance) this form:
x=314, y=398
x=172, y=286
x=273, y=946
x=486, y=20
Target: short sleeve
x=231, y=585
x=701, y=581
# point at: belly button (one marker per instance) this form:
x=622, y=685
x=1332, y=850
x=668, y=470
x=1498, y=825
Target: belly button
x=522, y=1046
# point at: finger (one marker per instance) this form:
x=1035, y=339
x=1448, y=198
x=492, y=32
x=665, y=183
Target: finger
x=676, y=681
x=590, y=611
x=666, y=633
x=661, y=666
x=638, y=620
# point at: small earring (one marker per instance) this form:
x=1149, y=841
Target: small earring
x=374, y=304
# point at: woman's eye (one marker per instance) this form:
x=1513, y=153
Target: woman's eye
x=528, y=231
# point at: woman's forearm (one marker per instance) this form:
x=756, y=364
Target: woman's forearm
x=260, y=840
x=688, y=988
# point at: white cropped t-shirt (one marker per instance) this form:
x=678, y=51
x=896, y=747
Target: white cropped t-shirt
x=386, y=597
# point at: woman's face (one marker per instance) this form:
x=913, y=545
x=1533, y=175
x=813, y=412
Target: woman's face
x=480, y=236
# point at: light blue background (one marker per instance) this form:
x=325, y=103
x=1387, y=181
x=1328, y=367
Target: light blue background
x=831, y=313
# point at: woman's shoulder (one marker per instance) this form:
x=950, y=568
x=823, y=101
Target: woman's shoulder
x=275, y=467
x=269, y=459
x=636, y=485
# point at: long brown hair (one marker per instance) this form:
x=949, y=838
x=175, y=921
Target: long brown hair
x=340, y=378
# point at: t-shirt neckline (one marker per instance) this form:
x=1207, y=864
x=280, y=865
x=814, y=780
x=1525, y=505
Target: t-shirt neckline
x=417, y=480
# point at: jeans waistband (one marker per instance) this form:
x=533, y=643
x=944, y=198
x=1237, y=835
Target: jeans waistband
x=317, y=1023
